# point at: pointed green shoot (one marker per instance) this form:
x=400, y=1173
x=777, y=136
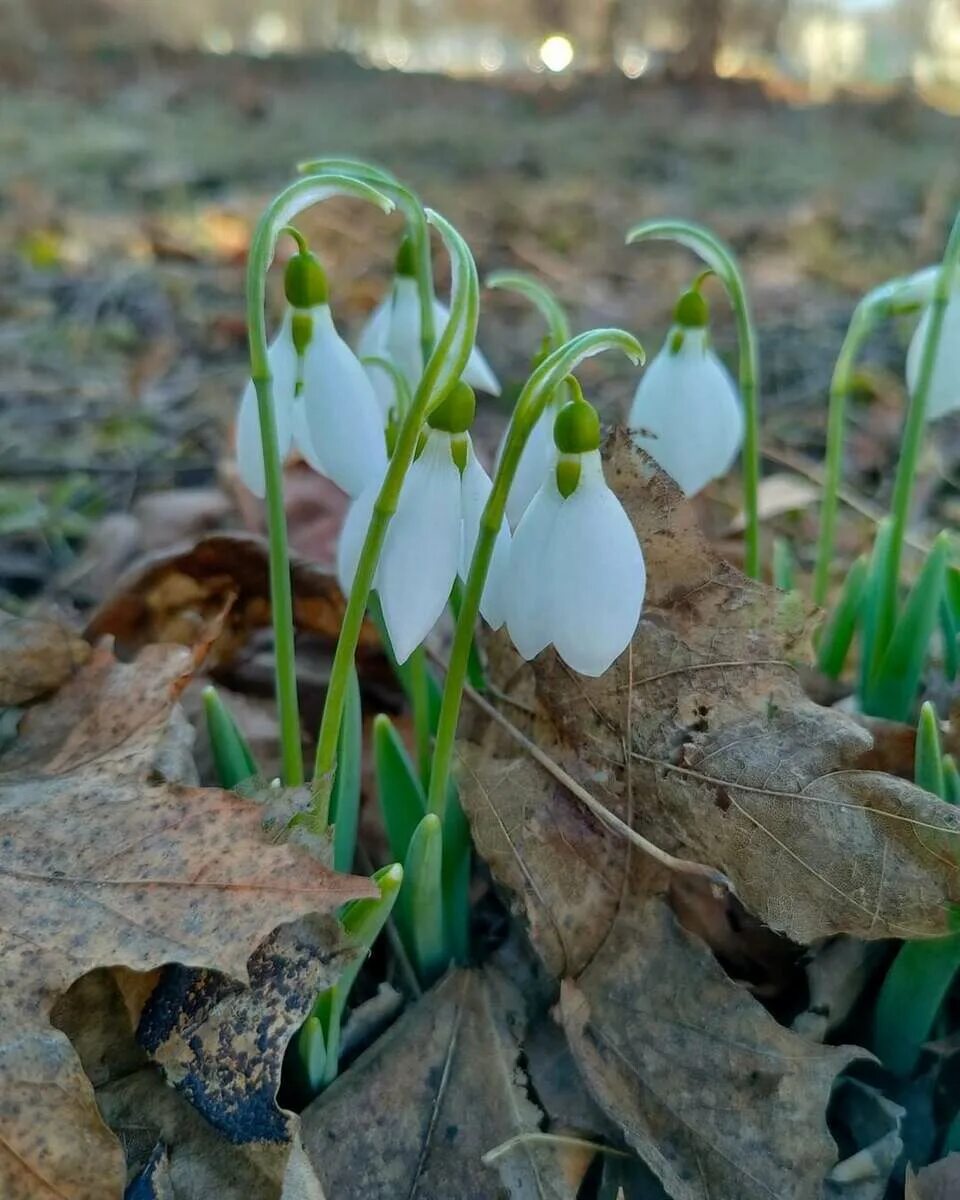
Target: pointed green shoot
x=870, y=651
x=311, y=1051
x=928, y=759
x=784, y=565
x=893, y=692
x=420, y=912
x=457, y=858
x=948, y=631
x=232, y=755
x=951, y=779
x=836, y=637
x=402, y=799
x=345, y=796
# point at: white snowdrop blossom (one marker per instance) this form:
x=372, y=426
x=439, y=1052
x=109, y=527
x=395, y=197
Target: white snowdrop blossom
x=430, y=539
x=538, y=456
x=576, y=576
x=686, y=412
x=323, y=402
x=392, y=332
x=944, y=394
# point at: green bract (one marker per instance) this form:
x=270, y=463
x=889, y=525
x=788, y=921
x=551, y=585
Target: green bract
x=305, y=281
x=576, y=429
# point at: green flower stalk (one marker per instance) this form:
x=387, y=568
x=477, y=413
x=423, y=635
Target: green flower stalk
x=442, y=371
x=720, y=259
x=536, y=395
x=279, y=213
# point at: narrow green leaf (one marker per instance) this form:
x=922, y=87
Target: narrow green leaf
x=836, y=635
x=952, y=591
x=311, y=1055
x=784, y=565
x=870, y=652
x=420, y=911
x=401, y=795
x=232, y=755
x=951, y=780
x=928, y=761
x=345, y=796
x=948, y=631
x=893, y=691
x=457, y=861
x=910, y=998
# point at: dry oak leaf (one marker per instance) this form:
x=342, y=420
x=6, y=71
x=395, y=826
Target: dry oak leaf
x=732, y=764
x=173, y=596
x=414, y=1115
x=720, y=1101
x=103, y=863
x=37, y=655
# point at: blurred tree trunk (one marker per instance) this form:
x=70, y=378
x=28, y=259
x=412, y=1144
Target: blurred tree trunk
x=704, y=19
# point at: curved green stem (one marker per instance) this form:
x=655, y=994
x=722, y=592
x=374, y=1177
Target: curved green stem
x=443, y=369
x=720, y=259
x=540, y=297
x=913, y=432
x=292, y=200
x=534, y=398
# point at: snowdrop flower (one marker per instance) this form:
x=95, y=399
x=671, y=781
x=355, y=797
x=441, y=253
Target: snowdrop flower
x=324, y=404
x=576, y=575
x=686, y=413
x=393, y=332
x=432, y=535
x=944, y=393
x=538, y=454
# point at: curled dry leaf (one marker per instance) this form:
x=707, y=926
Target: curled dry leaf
x=106, y=864
x=173, y=596
x=732, y=764
x=415, y=1114
x=939, y=1181
x=37, y=655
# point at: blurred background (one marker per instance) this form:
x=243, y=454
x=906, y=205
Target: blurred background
x=140, y=139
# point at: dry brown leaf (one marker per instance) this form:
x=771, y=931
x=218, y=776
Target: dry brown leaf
x=173, y=596
x=413, y=1116
x=778, y=494
x=939, y=1181
x=715, y=1096
x=106, y=864
x=37, y=655
x=732, y=764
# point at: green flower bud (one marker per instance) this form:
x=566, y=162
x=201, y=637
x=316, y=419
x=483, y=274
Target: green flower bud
x=406, y=263
x=305, y=281
x=454, y=414
x=692, y=311
x=577, y=428
x=568, y=475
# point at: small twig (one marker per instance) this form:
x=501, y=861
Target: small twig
x=548, y=1139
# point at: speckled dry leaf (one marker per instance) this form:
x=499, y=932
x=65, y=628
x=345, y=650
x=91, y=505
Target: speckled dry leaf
x=413, y=1116
x=223, y=1045
x=173, y=596
x=716, y=1097
x=939, y=1181
x=37, y=655
x=732, y=764
x=105, y=863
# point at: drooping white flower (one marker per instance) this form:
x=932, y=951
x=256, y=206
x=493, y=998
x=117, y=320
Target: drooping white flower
x=576, y=576
x=432, y=535
x=392, y=331
x=944, y=394
x=323, y=402
x=686, y=412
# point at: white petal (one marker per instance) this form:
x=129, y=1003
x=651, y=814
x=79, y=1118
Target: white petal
x=422, y=549
x=686, y=414
x=478, y=372
x=403, y=340
x=944, y=394
x=475, y=487
x=539, y=455
x=352, y=535
x=373, y=336
x=282, y=358
x=528, y=586
x=597, y=575
x=343, y=424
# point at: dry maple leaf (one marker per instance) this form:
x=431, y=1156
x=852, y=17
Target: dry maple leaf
x=105, y=863
x=731, y=763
